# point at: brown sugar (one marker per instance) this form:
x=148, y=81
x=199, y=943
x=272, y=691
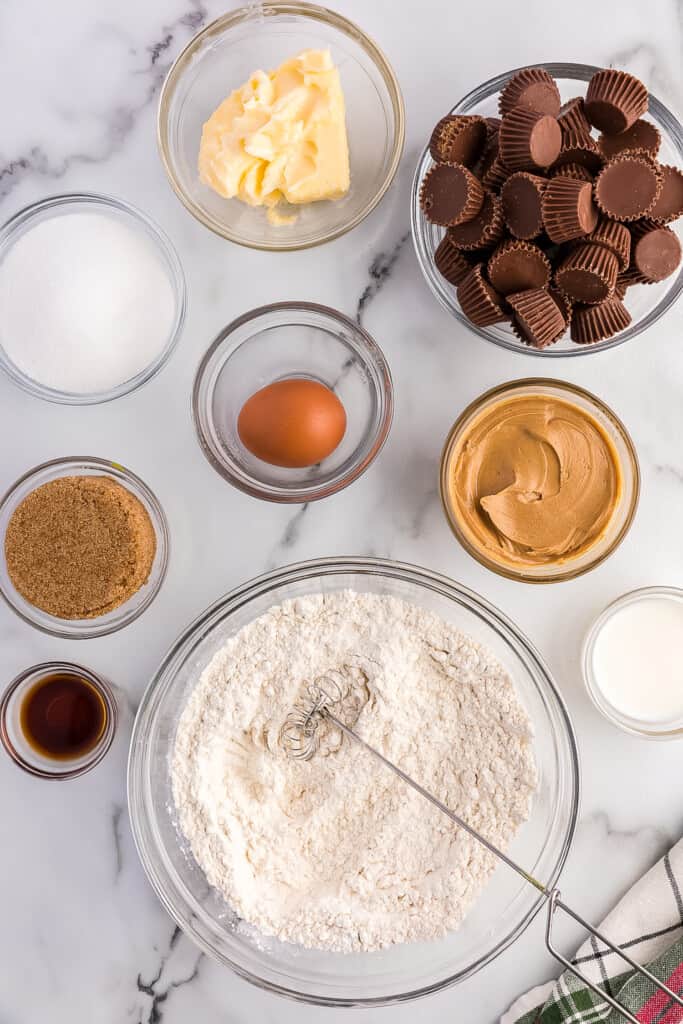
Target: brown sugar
x=79, y=546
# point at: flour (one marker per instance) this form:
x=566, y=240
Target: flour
x=337, y=853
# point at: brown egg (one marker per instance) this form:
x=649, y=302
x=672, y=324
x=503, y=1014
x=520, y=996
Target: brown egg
x=292, y=423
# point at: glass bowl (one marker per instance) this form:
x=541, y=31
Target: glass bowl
x=624, y=512
x=646, y=303
x=646, y=729
x=401, y=972
x=15, y=743
x=86, y=202
x=260, y=36
x=284, y=340
x=82, y=629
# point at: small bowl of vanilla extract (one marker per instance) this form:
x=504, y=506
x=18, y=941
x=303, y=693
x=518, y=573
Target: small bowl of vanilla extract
x=57, y=720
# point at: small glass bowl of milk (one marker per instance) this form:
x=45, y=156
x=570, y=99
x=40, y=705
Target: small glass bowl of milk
x=633, y=662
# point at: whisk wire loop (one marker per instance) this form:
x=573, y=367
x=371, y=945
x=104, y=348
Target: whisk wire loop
x=299, y=735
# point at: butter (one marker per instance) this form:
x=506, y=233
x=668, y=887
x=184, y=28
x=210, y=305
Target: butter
x=280, y=137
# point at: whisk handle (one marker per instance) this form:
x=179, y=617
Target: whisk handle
x=555, y=903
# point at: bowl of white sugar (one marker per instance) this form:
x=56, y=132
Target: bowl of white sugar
x=92, y=299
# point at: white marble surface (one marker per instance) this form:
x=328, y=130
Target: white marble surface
x=82, y=936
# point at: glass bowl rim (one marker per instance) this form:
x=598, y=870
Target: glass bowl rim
x=385, y=392
x=161, y=532
x=236, y=598
x=172, y=267
x=589, y=680
x=272, y=8
x=509, y=387
x=559, y=69
x=99, y=750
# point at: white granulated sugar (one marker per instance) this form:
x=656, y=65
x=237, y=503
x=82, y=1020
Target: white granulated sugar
x=85, y=302
x=337, y=853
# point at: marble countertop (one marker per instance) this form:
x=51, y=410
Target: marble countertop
x=82, y=936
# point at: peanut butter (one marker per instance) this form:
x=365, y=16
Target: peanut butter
x=534, y=480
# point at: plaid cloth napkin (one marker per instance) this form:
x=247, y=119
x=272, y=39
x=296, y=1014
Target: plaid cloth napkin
x=648, y=923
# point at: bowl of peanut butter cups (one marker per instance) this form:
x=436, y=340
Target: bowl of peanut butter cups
x=545, y=209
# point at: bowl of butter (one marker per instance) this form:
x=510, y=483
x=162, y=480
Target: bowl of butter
x=281, y=126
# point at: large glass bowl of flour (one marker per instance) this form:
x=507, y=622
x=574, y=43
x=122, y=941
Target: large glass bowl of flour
x=399, y=972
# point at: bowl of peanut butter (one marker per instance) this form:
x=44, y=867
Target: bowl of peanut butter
x=539, y=480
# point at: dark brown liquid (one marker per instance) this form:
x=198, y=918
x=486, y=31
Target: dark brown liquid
x=63, y=716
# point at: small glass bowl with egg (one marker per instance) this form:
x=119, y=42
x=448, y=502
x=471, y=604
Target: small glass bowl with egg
x=292, y=402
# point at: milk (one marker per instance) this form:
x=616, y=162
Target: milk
x=637, y=659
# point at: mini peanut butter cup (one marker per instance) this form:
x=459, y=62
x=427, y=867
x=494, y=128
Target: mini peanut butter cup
x=529, y=140
x=494, y=173
x=628, y=186
x=572, y=118
x=615, y=100
x=492, y=129
x=451, y=262
x=588, y=274
x=614, y=236
x=564, y=304
x=656, y=251
x=641, y=135
x=596, y=323
x=518, y=266
x=568, y=209
x=626, y=279
x=620, y=288
x=480, y=303
x=436, y=147
x=578, y=149
x=669, y=205
x=532, y=88
x=490, y=150
x=450, y=194
x=577, y=171
x=459, y=139
x=522, y=196
x=482, y=231
x=536, y=317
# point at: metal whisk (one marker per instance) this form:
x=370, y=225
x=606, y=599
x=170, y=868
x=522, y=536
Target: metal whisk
x=299, y=737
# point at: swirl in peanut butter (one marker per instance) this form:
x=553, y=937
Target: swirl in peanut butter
x=534, y=480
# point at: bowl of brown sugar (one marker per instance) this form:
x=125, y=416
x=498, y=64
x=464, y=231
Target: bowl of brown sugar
x=85, y=547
